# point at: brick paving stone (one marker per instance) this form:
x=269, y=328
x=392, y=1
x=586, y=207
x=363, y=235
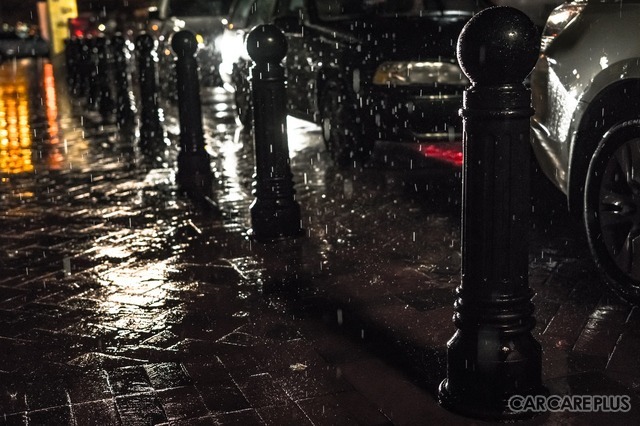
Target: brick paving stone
x=140, y=409
x=167, y=375
x=88, y=384
x=223, y=395
x=182, y=403
x=101, y=412
x=248, y=417
x=289, y=414
x=129, y=380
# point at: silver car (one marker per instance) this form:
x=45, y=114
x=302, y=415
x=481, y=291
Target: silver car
x=586, y=129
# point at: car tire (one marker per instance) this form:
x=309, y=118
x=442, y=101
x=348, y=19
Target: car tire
x=612, y=208
x=242, y=97
x=244, y=109
x=345, y=137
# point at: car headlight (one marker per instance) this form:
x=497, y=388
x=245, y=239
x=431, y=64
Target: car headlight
x=419, y=73
x=561, y=17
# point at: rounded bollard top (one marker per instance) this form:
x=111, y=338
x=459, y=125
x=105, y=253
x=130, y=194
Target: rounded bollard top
x=144, y=42
x=118, y=40
x=266, y=43
x=184, y=43
x=499, y=45
x=101, y=41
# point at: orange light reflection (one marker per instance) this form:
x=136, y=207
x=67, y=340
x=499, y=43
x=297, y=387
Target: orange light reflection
x=15, y=132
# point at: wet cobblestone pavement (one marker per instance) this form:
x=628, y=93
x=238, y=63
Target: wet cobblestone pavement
x=123, y=303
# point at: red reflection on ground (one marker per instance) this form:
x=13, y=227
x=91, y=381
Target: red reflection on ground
x=448, y=152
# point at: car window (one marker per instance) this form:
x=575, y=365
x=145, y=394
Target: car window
x=240, y=13
x=198, y=7
x=261, y=12
x=338, y=9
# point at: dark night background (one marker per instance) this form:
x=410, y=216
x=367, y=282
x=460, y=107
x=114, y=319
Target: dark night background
x=12, y=11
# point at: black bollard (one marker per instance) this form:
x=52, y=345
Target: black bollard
x=493, y=355
x=275, y=213
x=70, y=61
x=124, y=109
x=93, y=99
x=151, y=132
x=107, y=106
x=194, y=166
x=84, y=69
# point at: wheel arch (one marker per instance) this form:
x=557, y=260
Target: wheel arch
x=325, y=75
x=618, y=102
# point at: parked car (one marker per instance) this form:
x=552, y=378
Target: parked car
x=586, y=129
x=21, y=42
x=365, y=70
x=204, y=19
x=537, y=10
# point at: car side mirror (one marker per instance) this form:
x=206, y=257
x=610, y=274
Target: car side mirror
x=288, y=24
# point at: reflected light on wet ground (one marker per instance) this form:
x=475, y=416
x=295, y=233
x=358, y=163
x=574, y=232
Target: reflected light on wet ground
x=15, y=132
x=300, y=135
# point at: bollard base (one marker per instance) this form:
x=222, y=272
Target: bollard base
x=275, y=220
x=478, y=408
x=485, y=369
x=194, y=175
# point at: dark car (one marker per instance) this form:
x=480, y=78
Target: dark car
x=204, y=19
x=368, y=70
x=21, y=44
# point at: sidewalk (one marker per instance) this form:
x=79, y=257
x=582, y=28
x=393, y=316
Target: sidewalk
x=122, y=303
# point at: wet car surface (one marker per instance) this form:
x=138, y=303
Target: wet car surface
x=123, y=303
x=15, y=45
x=585, y=130
x=385, y=71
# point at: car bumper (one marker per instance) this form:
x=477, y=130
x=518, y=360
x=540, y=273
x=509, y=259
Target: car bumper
x=411, y=116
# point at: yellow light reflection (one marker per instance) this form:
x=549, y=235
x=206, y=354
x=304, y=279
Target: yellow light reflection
x=15, y=132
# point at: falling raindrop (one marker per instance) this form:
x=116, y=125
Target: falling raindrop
x=66, y=265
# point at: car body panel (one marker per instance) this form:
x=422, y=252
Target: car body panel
x=349, y=50
x=581, y=62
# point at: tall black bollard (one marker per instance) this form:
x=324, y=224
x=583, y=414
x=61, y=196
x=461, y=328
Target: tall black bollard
x=151, y=132
x=93, y=99
x=107, y=106
x=70, y=62
x=124, y=109
x=84, y=68
x=194, y=166
x=493, y=355
x=274, y=212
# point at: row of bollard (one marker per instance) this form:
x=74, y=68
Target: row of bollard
x=94, y=63
x=493, y=355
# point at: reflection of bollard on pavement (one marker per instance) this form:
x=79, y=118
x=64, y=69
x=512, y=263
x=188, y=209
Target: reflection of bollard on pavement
x=107, y=106
x=194, y=166
x=274, y=213
x=493, y=355
x=151, y=132
x=124, y=109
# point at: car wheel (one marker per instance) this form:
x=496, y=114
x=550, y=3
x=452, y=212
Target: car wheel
x=242, y=97
x=343, y=133
x=244, y=110
x=612, y=208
